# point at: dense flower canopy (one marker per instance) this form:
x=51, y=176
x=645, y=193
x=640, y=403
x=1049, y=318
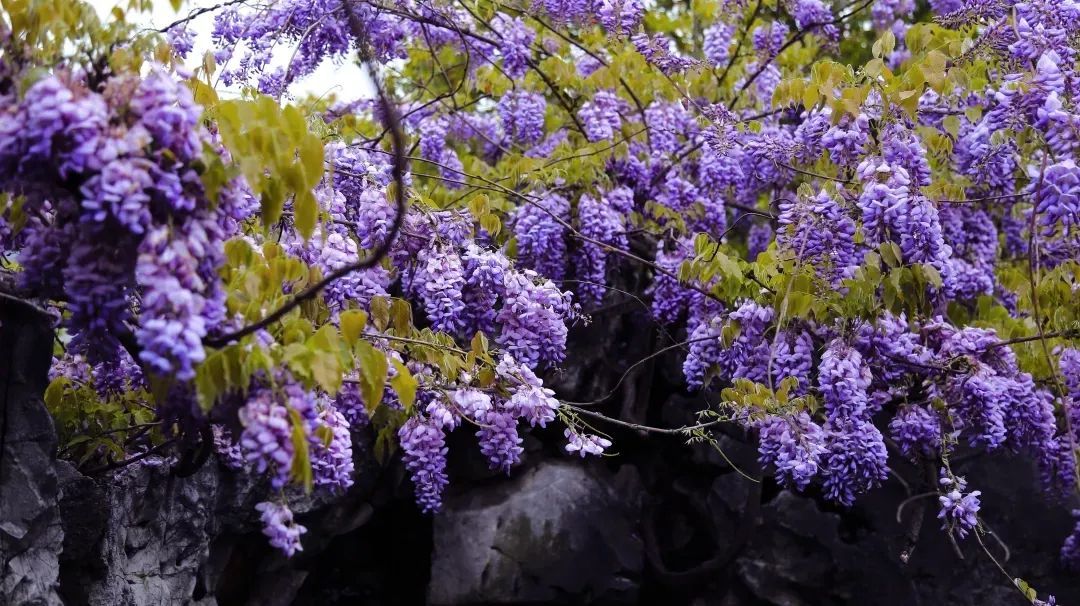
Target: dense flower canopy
x=860, y=222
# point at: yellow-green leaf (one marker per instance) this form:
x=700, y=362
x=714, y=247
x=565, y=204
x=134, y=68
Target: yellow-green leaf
x=301, y=463
x=380, y=312
x=373, y=368
x=55, y=392
x=401, y=315
x=306, y=212
x=352, y=323
x=404, y=385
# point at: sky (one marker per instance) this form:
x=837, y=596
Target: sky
x=347, y=81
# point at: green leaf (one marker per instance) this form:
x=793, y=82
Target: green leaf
x=373, y=367
x=891, y=254
x=271, y=202
x=884, y=45
x=933, y=69
x=404, y=385
x=352, y=323
x=874, y=68
x=728, y=266
x=324, y=434
x=1026, y=589
x=401, y=315
x=798, y=304
x=932, y=276
x=478, y=205
x=327, y=358
x=54, y=393
x=952, y=125
x=327, y=371
x=491, y=224
x=306, y=212
x=301, y=463
x=479, y=343
x=380, y=312
x=311, y=158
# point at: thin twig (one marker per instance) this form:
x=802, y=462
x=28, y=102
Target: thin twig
x=677, y=431
x=130, y=460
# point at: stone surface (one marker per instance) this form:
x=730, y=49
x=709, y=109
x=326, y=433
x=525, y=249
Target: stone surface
x=156, y=535
x=556, y=532
x=31, y=535
x=82, y=511
x=804, y=553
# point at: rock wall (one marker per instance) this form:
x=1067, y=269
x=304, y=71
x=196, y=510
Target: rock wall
x=557, y=531
x=30, y=532
x=661, y=523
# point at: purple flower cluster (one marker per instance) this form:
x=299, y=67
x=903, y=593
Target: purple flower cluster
x=540, y=229
x=332, y=247
x=331, y=449
x=792, y=356
x=423, y=443
x=266, y=441
x=279, y=526
x=438, y=283
x=522, y=114
x=717, y=43
x=758, y=239
x=181, y=40
x=585, y=444
x=657, y=50
x=600, y=220
x=1058, y=196
x=959, y=510
x=134, y=220
x=485, y=277
x=516, y=48
x=620, y=17
x=669, y=298
x=855, y=459
x=174, y=306
x=533, y=320
x=601, y=116
x=317, y=31
x=794, y=446
x=847, y=140
x=433, y=148
x=814, y=14
x=843, y=380
x=567, y=11
x=818, y=231
x=769, y=39
x=1070, y=551
x=499, y=439
x=705, y=352
x=917, y=430
x=529, y=399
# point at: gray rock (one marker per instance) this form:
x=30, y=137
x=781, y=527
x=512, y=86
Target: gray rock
x=31, y=535
x=142, y=536
x=559, y=531
x=157, y=535
x=82, y=511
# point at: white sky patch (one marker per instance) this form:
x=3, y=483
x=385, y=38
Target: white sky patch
x=346, y=80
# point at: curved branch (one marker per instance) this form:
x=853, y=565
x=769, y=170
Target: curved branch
x=676, y=431
x=397, y=138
